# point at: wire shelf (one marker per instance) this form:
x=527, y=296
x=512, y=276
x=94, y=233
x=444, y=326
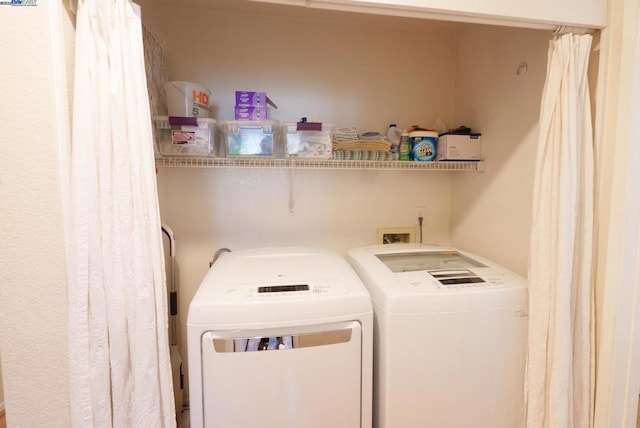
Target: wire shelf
x=205, y=162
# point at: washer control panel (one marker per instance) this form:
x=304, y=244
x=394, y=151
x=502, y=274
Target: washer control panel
x=283, y=291
x=283, y=288
x=458, y=279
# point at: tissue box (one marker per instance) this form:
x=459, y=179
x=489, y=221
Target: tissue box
x=250, y=138
x=251, y=99
x=251, y=113
x=186, y=136
x=459, y=147
x=308, y=144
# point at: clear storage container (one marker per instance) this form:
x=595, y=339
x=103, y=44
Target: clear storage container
x=186, y=136
x=250, y=138
x=310, y=144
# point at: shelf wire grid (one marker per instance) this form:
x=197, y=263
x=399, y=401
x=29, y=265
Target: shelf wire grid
x=245, y=162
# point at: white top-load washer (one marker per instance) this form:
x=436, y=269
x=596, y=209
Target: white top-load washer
x=280, y=337
x=450, y=332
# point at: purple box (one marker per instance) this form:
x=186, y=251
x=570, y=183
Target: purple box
x=251, y=113
x=251, y=99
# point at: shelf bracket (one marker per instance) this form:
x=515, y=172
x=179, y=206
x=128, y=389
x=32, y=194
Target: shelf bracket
x=292, y=189
x=480, y=167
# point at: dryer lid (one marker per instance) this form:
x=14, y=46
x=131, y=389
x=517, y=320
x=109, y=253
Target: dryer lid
x=278, y=285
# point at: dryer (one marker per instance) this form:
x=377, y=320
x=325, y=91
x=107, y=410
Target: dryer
x=450, y=332
x=280, y=337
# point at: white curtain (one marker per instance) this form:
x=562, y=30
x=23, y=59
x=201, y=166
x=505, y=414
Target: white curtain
x=119, y=353
x=560, y=366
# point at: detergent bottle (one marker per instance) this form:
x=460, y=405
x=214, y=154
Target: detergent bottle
x=393, y=134
x=404, y=148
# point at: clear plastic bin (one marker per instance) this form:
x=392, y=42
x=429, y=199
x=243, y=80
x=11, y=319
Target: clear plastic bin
x=250, y=138
x=186, y=136
x=307, y=144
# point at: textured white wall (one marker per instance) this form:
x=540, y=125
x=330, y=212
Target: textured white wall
x=491, y=212
x=33, y=324
x=339, y=68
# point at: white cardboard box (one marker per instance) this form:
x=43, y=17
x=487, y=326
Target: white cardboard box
x=459, y=147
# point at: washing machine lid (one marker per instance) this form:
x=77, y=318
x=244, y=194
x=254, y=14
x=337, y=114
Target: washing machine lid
x=433, y=260
x=277, y=285
x=409, y=277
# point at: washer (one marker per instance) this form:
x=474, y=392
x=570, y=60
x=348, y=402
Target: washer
x=450, y=332
x=280, y=337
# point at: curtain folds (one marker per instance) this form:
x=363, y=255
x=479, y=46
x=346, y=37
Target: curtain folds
x=560, y=367
x=119, y=353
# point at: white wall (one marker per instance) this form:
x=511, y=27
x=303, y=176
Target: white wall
x=213, y=208
x=326, y=67
x=491, y=212
x=33, y=325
